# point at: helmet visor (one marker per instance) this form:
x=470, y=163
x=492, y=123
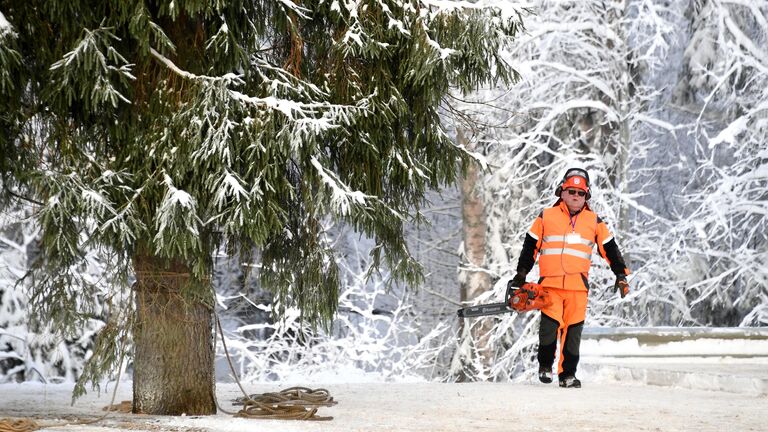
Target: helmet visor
x=577, y=172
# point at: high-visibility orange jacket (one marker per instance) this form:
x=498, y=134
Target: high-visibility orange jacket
x=563, y=244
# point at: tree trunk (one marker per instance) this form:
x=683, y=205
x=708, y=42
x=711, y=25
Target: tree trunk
x=173, y=343
x=474, y=279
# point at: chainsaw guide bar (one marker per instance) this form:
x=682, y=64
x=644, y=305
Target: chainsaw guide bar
x=528, y=297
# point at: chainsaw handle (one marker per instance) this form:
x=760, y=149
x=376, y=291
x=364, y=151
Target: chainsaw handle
x=510, y=291
x=529, y=287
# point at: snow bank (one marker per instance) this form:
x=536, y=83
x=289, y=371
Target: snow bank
x=733, y=360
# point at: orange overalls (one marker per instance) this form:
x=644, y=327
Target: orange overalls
x=563, y=245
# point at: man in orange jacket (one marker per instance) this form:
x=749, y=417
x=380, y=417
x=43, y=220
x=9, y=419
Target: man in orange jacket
x=562, y=237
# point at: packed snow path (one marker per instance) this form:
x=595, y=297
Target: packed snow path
x=428, y=407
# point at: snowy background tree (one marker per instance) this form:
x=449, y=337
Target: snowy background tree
x=720, y=239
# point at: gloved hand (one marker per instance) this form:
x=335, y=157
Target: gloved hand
x=517, y=281
x=621, y=285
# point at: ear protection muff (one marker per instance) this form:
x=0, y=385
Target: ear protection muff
x=570, y=172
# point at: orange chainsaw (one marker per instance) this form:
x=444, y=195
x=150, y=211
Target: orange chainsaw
x=530, y=296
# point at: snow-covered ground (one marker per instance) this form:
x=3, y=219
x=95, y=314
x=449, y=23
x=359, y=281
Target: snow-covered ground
x=633, y=380
x=601, y=405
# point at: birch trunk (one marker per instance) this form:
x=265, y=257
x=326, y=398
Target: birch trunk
x=474, y=278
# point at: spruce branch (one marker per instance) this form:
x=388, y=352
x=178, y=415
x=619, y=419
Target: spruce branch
x=21, y=197
x=227, y=79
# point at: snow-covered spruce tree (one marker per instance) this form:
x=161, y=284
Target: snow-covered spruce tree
x=165, y=129
x=582, y=99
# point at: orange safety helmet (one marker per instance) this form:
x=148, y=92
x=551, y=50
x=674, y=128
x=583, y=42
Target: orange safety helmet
x=574, y=178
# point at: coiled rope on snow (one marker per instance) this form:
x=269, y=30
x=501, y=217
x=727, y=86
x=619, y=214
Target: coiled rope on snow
x=18, y=425
x=295, y=403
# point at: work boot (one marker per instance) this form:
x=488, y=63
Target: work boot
x=545, y=375
x=570, y=382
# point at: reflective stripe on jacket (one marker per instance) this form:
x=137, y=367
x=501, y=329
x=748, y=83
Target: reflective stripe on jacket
x=566, y=265
x=564, y=245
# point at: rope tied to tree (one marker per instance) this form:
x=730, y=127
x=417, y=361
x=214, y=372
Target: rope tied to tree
x=18, y=425
x=169, y=279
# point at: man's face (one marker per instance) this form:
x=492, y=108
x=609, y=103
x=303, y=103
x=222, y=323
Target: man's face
x=575, y=201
